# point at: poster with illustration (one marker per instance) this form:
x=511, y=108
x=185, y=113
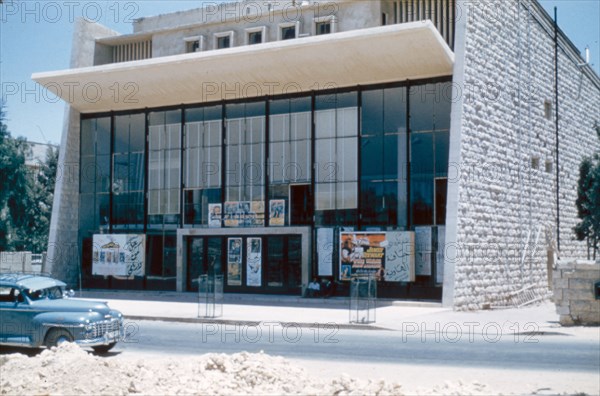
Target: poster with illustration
x=277, y=212
x=258, y=213
x=254, y=262
x=234, y=261
x=214, y=215
x=400, y=256
x=362, y=253
x=118, y=255
x=231, y=215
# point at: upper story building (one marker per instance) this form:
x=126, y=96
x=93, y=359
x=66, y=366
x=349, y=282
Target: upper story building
x=431, y=143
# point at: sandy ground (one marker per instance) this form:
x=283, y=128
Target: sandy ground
x=69, y=370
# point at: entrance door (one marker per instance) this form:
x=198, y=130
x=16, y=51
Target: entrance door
x=283, y=269
x=204, y=257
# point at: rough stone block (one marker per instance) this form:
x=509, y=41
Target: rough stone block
x=566, y=320
x=581, y=284
x=587, y=319
x=563, y=310
x=573, y=295
x=560, y=283
x=581, y=306
x=588, y=274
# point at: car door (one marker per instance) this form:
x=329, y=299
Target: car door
x=15, y=317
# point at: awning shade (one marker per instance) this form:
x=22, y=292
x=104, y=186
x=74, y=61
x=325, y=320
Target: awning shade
x=360, y=57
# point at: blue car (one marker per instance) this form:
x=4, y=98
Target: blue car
x=36, y=311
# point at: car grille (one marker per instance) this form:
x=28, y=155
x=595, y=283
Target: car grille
x=106, y=326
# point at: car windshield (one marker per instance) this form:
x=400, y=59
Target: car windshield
x=50, y=293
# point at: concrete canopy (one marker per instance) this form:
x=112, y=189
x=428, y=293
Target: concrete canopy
x=392, y=53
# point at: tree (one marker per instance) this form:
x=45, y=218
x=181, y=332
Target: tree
x=41, y=196
x=588, y=200
x=13, y=188
x=26, y=194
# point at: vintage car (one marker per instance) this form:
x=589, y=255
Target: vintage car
x=37, y=311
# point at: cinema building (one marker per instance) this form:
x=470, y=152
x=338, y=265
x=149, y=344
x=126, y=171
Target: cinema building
x=432, y=144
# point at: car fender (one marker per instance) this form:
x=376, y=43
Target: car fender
x=74, y=322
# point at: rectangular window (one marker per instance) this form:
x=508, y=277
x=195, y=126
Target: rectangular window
x=128, y=171
x=202, y=162
x=288, y=32
x=323, y=28
x=244, y=169
x=223, y=40
x=254, y=38
x=192, y=46
x=336, y=129
x=164, y=168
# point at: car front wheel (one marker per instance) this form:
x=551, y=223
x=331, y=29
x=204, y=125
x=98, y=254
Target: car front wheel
x=104, y=348
x=57, y=336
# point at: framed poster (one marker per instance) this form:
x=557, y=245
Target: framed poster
x=277, y=212
x=119, y=255
x=362, y=253
x=254, y=262
x=234, y=261
x=400, y=256
x=231, y=215
x=214, y=215
x=258, y=213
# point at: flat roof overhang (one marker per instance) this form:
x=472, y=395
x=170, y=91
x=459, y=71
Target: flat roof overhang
x=384, y=54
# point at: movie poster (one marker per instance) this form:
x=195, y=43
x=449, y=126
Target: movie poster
x=400, y=256
x=277, y=212
x=254, y=262
x=362, y=253
x=244, y=214
x=118, y=255
x=231, y=215
x=234, y=261
x=214, y=215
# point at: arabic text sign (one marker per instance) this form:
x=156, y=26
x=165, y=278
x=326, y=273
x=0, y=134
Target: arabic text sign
x=118, y=254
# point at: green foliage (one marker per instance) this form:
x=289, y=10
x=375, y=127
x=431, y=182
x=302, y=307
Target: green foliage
x=25, y=195
x=588, y=200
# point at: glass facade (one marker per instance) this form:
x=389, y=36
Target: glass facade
x=368, y=158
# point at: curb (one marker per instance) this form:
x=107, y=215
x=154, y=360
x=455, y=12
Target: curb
x=234, y=322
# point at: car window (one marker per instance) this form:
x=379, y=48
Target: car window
x=10, y=294
x=5, y=294
x=50, y=293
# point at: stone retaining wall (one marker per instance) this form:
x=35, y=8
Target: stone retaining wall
x=574, y=293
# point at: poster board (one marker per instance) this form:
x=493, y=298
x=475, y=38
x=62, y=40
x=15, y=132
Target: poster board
x=362, y=253
x=244, y=214
x=119, y=255
x=277, y=212
x=423, y=250
x=254, y=262
x=214, y=215
x=400, y=256
x=234, y=261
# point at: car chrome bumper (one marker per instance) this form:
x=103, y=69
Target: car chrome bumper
x=107, y=338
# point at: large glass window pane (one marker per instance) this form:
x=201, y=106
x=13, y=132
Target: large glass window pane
x=336, y=123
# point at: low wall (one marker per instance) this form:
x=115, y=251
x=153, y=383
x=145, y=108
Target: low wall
x=574, y=297
x=15, y=262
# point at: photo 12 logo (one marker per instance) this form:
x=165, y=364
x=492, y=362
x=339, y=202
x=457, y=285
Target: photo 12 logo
x=69, y=11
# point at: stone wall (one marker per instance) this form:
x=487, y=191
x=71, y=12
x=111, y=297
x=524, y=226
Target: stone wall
x=502, y=193
x=574, y=293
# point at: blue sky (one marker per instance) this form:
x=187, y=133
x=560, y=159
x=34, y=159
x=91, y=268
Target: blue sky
x=35, y=36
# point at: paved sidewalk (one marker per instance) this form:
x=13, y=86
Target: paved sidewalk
x=409, y=317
